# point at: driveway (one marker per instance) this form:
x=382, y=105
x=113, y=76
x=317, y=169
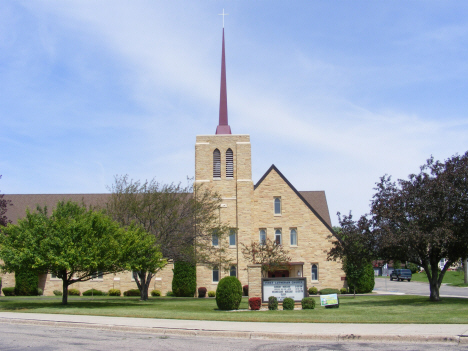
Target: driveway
x=385, y=285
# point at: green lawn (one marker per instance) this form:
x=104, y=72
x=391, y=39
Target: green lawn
x=454, y=278
x=362, y=309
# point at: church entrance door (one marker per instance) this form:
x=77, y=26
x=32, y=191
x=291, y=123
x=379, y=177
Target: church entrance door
x=279, y=274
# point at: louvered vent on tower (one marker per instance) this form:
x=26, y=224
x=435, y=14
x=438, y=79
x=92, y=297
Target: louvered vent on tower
x=216, y=164
x=229, y=164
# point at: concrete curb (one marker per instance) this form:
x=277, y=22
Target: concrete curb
x=339, y=337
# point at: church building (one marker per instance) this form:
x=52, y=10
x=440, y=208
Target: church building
x=271, y=209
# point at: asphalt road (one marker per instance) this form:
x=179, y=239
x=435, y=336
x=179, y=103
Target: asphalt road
x=15, y=337
x=385, y=285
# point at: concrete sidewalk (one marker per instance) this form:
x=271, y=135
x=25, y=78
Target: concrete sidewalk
x=450, y=333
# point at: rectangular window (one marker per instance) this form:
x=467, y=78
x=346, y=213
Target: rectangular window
x=97, y=275
x=277, y=205
x=293, y=237
x=278, y=237
x=214, y=240
x=233, y=271
x=215, y=275
x=232, y=237
x=262, y=236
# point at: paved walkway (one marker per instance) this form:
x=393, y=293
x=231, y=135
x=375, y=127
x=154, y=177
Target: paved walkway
x=450, y=333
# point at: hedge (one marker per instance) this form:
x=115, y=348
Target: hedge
x=93, y=292
x=132, y=292
x=10, y=291
x=272, y=303
x=229, y=293
x=184, y=280
x=255, y=303
x=114, y=292
x=73, y=292
x=211, y=293
x=313, y=290
x=155, y=292
x=288, y=304
x=308, y=303
x=26, y=283
x=328, y=291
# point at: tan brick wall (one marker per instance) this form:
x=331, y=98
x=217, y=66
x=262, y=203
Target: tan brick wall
x=255, y=280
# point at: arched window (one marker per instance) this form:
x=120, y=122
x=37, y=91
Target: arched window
x=314, y=272
x=277, y=205
x=278, y=237
x=233, y=271
x=216, y=164
x=293, y=236
x=229, y=164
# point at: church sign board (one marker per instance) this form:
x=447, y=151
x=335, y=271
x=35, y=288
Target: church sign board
x=281, y=288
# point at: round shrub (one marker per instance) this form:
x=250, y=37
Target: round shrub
x=57, y=293
x=308, y=303
x=229, y=293
x=155, y=292
x=10, y=291
x=255, y=303
x=73, y=292
x=201, y=292
x=245, y=290
x=170, y=294
x=114, y=292
x=272, y=303
x=184, y=280
x=313, y=291
x=132, y=292
x=93, y=292
x=343, y=291
x=288, y=304
x=211, y=293
x=39, y=292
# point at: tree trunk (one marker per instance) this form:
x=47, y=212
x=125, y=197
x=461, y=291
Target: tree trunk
x=64, y=291
x=143, y=280
x=434, y=283
x=465, y=270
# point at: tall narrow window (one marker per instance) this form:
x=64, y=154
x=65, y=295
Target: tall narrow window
x=215, y=274
x=293, y=236
x=232, y=237
x=278, y=236
x=262, y=236
x=277, y=205
x=216, y=164
x=229, y=164
x=314, y=272
x=214, y=240
x=233, y=271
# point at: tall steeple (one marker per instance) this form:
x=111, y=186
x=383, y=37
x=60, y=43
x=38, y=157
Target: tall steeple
x=223, y=126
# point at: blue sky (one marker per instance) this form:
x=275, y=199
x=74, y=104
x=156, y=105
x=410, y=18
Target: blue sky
x=334, y=93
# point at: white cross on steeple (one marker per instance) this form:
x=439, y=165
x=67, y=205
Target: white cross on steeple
x=223, y=14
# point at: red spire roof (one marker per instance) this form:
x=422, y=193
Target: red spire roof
x=223, y=126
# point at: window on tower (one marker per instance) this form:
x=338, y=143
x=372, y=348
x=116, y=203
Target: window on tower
x=229, y=164
x=216, y=164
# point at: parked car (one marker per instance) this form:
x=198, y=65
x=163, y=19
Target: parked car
x=401, y=274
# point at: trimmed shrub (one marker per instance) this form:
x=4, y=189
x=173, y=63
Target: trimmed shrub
x=245, y=290
x=308, y=303
x=57, y=293
x=93, y=292
x=132, y=292
x=255, y=303
x=39, y=292
x=10, y=291
x=288, y=304
x=73, y=292
x=211, y=294
x=201, y=292
x=26, y=283
x=313, y=291
x=413, y=267
x=170, y=294
x=328, y=291
x=343, y=291
x=229, y=293
x=114, y=292
x=184, y=280
x=365, y=283
x=155, y=292
x=272, y=303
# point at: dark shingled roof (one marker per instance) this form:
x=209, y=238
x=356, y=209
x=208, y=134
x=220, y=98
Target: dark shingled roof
x=20, y=202
x=318, y=201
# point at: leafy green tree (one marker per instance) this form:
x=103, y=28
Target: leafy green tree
x=3, y=209
x=181, y=219
x=184, y=280
x=425, y=218
x=74, y=243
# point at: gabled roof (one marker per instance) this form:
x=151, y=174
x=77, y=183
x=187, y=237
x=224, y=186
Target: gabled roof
x=314, y=200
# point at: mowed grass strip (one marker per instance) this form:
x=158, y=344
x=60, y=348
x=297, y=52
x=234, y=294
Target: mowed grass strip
x=362, y=309
x=454, y=278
